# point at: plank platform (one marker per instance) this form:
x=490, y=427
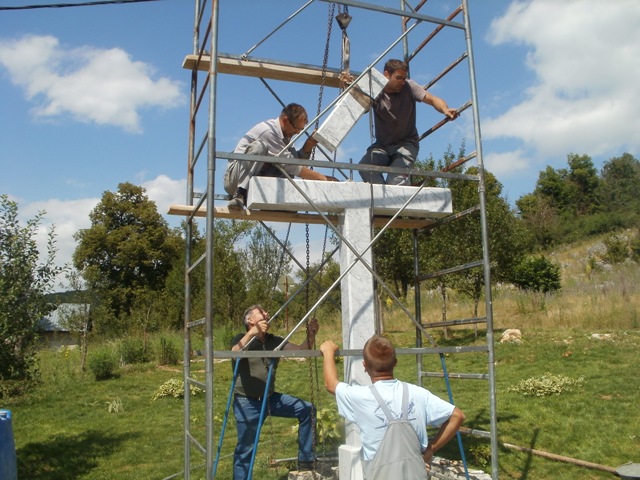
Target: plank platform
x=292, y=217
x=266, y=68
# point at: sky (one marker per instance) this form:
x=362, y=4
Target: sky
x=92, y=96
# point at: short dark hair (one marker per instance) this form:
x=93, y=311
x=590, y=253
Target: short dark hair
x=293, y=112
x=394, y=64
x=379, y=355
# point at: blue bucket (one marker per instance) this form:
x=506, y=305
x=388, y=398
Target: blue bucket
x=8, y=468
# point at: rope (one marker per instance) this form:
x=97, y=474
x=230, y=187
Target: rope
x=226, y=416
x=265, y=400
x=458, y=436
x=281, y=262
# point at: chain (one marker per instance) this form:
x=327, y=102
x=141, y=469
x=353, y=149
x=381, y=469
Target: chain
x=281, y=262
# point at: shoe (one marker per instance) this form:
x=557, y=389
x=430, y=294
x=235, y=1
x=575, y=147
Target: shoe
x=239, y=200
x=306, y=466
x=236, y=203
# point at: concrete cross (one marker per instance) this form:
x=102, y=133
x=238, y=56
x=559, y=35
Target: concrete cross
x=355, y=203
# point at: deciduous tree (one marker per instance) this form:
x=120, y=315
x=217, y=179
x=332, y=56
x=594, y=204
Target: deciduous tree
x=127, y=249
x=26, y=276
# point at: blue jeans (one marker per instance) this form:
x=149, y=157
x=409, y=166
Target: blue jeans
x=401, y=155
x=247, y=413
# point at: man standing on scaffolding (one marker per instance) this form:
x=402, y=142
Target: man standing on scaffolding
x=270, y=138
x=251, y=390
x=397, y=141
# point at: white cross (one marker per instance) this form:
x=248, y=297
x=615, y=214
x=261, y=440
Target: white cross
x=355, y=203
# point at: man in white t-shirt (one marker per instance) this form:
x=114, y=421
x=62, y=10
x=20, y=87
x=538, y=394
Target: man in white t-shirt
x=357, y=404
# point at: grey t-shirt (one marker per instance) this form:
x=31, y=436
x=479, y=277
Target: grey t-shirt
x=395, y=115
x=252, y=372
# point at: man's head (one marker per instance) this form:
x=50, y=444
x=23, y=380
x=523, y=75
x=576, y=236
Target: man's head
x=253, y=315
x=379, y=356
x=293, y=119
x=396, y=72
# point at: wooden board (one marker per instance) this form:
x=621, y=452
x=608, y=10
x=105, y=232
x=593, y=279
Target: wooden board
x=291, y=217
x=263, y=68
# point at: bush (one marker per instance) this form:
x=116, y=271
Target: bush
x=616, y=249
x=329, y=428
x=103, y=365
x=547, y=384
x=168, y=353
x=174, y=388
x=538, y=274
x=133, y=350
x=634, y=246
x=16, y=388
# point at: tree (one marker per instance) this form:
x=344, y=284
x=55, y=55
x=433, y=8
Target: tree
x=78, y=320
x=25, y=279
x=584, y=183
x=571, y=191
x=324, y=274
x=563, y=203
x=538, y=274
x=263, y=255
x=552, y=185
x=127, y=250
x=393, y=253
x=539, y=218
x=229, y=274
x=506, y=237
x=620, y=186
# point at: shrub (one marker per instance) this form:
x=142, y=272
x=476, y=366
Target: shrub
x=634, y=246
x=538, y=274
x=115, y=406
x=102, y=364
x=547, y=384
x=133, y=350
x=329, y=428
x=616, y=249
x=174, y=388
x=480, y=455
x=168, y=353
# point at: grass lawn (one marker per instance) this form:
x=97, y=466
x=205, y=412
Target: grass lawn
x=73, y=427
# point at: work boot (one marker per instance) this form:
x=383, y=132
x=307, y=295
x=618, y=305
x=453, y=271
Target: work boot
x=239, y=200
x=306, y=466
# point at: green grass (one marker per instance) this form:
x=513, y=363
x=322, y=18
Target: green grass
x=64, y=429
x=68, y=429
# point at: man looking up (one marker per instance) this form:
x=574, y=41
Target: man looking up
x=251, y=390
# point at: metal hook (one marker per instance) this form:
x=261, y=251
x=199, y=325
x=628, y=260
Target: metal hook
x=343, y=20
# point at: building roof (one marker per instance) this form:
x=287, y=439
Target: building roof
x=53, y=321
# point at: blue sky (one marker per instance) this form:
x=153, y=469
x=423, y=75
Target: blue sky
x=94, y=96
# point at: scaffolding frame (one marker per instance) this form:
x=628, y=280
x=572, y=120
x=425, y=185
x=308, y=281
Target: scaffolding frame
x=203, y=100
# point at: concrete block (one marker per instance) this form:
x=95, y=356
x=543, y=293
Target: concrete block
x=349, y=110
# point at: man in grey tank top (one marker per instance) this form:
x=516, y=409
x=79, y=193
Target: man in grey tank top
x=394, y=111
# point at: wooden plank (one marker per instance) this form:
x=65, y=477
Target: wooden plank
x=292, y=217
x=264, y=68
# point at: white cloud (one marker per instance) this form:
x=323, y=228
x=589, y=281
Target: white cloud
x=585, y=59
x=506, y=164
x=101, y=86
x=66, y=217
x=165, y=191
x=69, y=216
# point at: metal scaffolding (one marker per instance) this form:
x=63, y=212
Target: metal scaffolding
x=206, y=63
